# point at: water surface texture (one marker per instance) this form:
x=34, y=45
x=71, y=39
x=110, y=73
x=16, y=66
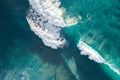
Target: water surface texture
x=59, y=40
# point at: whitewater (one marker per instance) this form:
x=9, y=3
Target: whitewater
x=94, y=55
x=46, y=21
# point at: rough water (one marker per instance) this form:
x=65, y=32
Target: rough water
x=60, y=40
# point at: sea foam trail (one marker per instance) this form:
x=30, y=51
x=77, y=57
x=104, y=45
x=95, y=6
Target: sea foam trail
x=94, y=55
x=45, y=20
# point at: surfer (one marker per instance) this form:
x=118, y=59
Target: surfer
x=88, y=17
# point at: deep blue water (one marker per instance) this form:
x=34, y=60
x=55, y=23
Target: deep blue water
x=21, y=55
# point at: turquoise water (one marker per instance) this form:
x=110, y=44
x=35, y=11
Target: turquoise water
x=102, y=32
x=21, y=55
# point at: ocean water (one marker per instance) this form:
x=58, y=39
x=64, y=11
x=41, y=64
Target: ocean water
x=59, y=40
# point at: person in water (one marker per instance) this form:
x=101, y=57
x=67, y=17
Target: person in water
x=88, y=17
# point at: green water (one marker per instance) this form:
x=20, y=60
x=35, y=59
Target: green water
x=103, y=31
x=21, y=56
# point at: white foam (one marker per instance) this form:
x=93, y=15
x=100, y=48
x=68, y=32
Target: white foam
x=49, y=38
x=71, y=21
x=45, y=20
x=94, y=55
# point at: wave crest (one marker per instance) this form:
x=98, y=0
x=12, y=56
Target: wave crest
x=94, y=55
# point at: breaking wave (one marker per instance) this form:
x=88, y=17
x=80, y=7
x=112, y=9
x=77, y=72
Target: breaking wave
x=94, y=55
x=45, y=20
